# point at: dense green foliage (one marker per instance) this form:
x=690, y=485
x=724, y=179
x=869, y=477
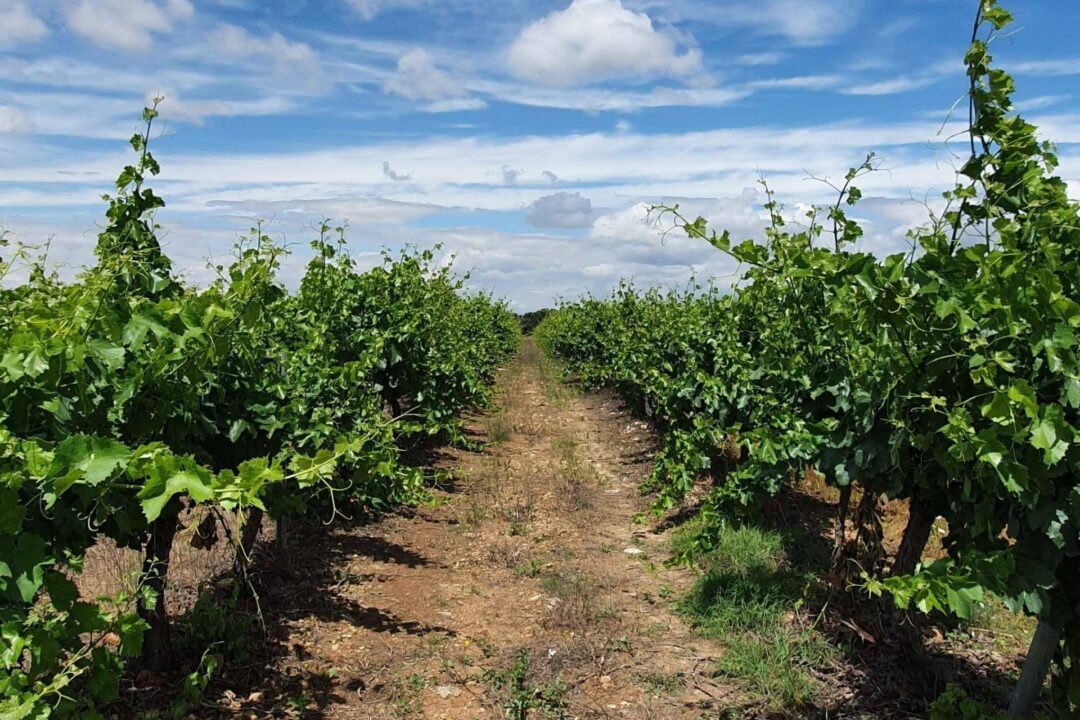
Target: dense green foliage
x=127, y=396
x=948, y=375
x=530, y=320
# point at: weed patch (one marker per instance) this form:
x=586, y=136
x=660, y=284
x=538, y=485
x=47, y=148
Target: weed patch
x=749, y=598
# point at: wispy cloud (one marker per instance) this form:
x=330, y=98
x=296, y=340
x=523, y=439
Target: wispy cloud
x=1041, y=102
x=19, y=24
x=1051, y=68
x=890, y=86
x=761, y=58
x=14, y=121
x=562, y=122
x=126, y=24
x=418, y=78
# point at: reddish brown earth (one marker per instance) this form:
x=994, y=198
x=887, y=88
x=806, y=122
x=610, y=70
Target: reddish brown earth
x=537, y=553
x=532, y=548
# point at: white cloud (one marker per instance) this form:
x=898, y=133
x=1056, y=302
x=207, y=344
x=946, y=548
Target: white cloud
x=463, y=171
x=890, y=87
x=762, y=58
x=177, y=107
x=602, y=270
x=705, y=172
x=598, y=99
x=809, y=22
x=456, y=105
x=639, y=224
x=344, y=207
x=630, y=224
x=552, y=177
x=1051, y=68
x=418, y=78
x=77, y=114
x=1040, y=102
x=61, y=72
x=803, y=22
x=18, y=24
x=368, y=9
x=126, y=24
x=561, y=210
x=294, y=61
x=802, y=82
x=14, y=121
x=595, y=40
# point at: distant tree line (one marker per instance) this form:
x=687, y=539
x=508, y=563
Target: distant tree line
x=530, y=320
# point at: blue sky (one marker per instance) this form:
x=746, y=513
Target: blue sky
x=527, y=138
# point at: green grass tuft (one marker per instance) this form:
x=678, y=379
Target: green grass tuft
x=749, y=597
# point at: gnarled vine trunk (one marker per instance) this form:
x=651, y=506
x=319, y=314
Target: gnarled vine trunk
x=252, y=525
x=916, y=535
x=870, y=536
x=157, y=643
x=840, y=540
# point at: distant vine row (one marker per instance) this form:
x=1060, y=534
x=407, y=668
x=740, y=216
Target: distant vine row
x=948, y=375
x=128, y=397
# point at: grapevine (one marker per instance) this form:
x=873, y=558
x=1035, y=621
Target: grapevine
x=946, y=375
x=128, y=397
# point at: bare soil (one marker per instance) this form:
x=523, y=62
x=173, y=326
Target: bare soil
x=532, y=585
x=531, y=547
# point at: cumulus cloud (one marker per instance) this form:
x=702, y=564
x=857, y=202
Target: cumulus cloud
x=418, y=78
x=126, y=24
x=630, y=224
x=18, y=24
x=595, y=40
x=704, y=172
x=641, y=228
x=552, y=177
x=510, y=175
x=561, y=210
x=394, y=175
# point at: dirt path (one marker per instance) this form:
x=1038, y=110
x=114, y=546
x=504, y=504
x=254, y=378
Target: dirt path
x=525, y=587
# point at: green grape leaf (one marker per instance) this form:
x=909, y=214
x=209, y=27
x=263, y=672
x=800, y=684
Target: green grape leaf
x=108, y=354
x=62, y=591
x=11, y=512
x=85, y=459
x=23, y=560
x=194, y=483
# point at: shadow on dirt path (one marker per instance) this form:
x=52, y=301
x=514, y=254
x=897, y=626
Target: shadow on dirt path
x=528, y=588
